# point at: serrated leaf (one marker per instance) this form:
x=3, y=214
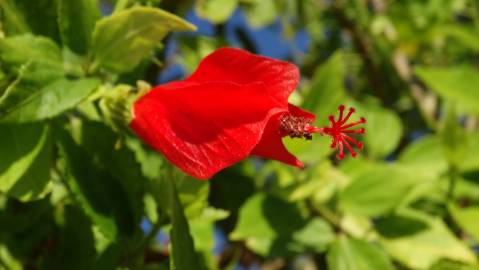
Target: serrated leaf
x=76, y=20
x=122, y=40
x=454, y=84
x=25, y=161
x=354, y=254
x=34, y=97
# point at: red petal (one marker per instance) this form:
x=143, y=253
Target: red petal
x=242, y=67
x=298, y=112
x=271, y=145
x=203, y=128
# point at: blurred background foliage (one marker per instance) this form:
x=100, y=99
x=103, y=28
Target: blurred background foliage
x=75, y=194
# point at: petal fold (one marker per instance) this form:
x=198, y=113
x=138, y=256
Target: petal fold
x=234, y=65
x=204, y=127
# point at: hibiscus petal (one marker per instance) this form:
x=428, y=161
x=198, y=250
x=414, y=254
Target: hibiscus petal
x=242, y=67
x=204, y=127
x=298, y=112
x=271, y=145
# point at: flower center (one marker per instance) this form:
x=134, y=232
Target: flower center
x=296, y=127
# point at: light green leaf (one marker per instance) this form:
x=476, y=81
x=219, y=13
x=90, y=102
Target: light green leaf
x=182, y=245
x=420, y=249
x=454, y=84
x=122, y=40
x=76, y=20
x=354, y=254
x=370, y=192
x=19, y=50
x=326, y=91
x=32, y=98
x=261, y=13
x=25, y=161
x=315, y=236
x=383, y=129
x=467, y=218
x=216, y=11
x=425, y=154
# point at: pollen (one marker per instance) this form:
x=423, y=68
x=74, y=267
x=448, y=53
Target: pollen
x=296, y=127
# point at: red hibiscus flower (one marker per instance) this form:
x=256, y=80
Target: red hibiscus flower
x=234, y=105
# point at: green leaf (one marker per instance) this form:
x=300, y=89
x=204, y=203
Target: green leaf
x=106, y=182
x=315, y=236
x=182, y=245
x=370, y=191
x=19, y=50
x=467, y=218
x=75, y=247
x=261, y=223
x=354, y=254
x=383, y=129
x=41, y=16
x=12, y=20
x=425, y=154
x=216, y=11
x=326, y=92
x=261, y=13
x=25, y=161
x=76, y=20
x=420, y=249
x=453, y=137
x=123, y=39
x=32, y=98
x=454, y=84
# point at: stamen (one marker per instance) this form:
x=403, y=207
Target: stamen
x=351, y=111
x=339, y=129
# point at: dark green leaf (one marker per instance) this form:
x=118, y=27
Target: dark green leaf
x=41, y=16
x=262, y=224
x=77, y=20
x=105, y=188
x=183, y=248
x=75, y=248
x=12, y=19
x=26, y=160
